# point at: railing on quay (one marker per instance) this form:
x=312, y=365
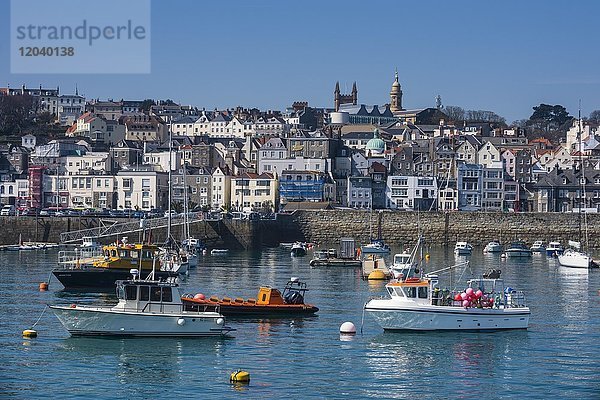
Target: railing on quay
x=116, y=228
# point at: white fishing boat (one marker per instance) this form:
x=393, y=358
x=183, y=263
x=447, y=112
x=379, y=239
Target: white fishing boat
x=462, y=249
x=554, y=249
x=145, y=308
x=406, y=261
x=518, y=249
x=298, y=249
x=538, y=246
x=493, y=247
x=417, y=303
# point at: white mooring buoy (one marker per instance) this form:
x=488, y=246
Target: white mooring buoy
x=348, y=328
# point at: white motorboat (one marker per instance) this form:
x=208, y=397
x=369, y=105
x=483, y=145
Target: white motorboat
x=493, y=247
x=518, y=249
x=554, y=249
x=402, y=263
x=216, y=252
x=145, y=308
x=416, y=303
x=377, y=246
x=538, y=246
x=298, y=249
x=405, y=261
x=462, y=249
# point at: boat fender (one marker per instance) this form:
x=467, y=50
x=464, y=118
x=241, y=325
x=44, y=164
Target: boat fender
x=181, y=321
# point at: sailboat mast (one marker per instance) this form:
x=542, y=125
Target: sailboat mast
x=186, y=224
x=582, y=177
x=169, y=196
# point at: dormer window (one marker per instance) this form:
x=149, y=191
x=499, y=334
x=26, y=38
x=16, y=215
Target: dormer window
x=564, y=181
x=582, y=180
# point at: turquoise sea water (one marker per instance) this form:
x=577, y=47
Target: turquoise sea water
x=306, y=358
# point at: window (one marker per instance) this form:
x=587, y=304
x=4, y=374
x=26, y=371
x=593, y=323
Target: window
x=155, y=294
x=145, y=183
x=167, y=295
x=130, y=292
x=422, y=292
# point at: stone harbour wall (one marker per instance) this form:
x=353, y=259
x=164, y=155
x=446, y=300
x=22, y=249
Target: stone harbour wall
x=402, y=228
x=397, y=228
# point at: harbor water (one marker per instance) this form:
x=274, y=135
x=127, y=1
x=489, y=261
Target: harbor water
x=306, y=357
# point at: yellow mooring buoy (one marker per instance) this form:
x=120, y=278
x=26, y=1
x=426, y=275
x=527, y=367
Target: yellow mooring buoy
x=377, y=275
x=29, y=333
x=240, y=376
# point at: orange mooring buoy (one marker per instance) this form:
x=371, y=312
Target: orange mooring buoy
x=43, y=286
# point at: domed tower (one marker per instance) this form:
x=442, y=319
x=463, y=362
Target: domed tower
x=396, y=96
x=375, y=146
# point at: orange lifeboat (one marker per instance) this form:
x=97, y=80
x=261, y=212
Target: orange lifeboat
x=270, y=302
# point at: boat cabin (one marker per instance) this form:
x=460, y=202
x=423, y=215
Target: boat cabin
x=293, y=293
x=148, y=296
x=414, y=290
x=268, y=295
x=126, y=255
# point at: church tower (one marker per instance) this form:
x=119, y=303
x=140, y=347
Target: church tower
x=396, y=96
x=339, y=98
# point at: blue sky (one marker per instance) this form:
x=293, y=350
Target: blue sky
x=503, y=56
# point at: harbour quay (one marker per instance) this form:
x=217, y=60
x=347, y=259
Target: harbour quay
x=325, y=226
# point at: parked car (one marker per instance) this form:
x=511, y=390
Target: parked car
x=7, y=210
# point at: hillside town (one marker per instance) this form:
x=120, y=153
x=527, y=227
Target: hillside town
x=114, y=156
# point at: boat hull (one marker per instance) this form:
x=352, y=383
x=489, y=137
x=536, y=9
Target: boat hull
x=518, y=253
x=493, y=249
x=335, y=263
x=92, y=277
x=80, y=321
x=298, y=252
x=462, y=252
x=374, y=250
x=446, y=318
x=241, y=310
x=573, y=259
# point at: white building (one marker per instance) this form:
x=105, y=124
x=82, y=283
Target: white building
x=221, y=189
x=411, y=193
x=493, y=187
x=90, y=162
x=142, y=189
x=488, y=154
x=70, y=107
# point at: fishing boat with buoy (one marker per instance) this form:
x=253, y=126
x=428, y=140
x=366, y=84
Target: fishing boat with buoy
x=85, y=270
x=145, y=308
x=417, y=303
x=270, y=302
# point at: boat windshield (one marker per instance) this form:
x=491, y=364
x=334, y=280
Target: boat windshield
x=402, y=258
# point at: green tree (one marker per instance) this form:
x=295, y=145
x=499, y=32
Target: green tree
x=16, y=113
x=548, y=118
x=454, y=113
